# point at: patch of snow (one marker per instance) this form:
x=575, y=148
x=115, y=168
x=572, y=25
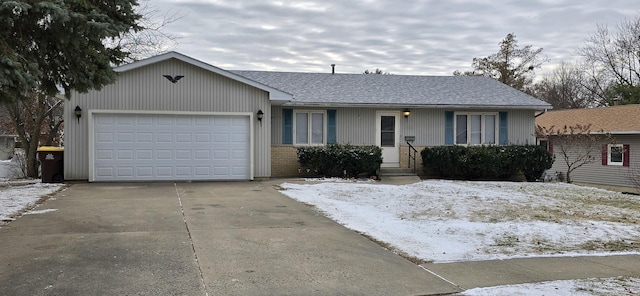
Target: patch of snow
x=40, y=212
x=446, y=221
x=588, y=287
x=14, y=199
x=340, y=180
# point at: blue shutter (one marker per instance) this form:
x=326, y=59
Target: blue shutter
x=504, y=129
x=287, y=126
x=331, y=127
x=448, y=127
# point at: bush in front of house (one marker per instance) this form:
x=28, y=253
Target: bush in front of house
x=340, y=160
x=486, y=162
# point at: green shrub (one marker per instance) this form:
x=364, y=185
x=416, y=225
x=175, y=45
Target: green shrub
x=340, y=160
x=486, y=162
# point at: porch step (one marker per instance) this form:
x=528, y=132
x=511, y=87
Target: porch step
x=396, y=172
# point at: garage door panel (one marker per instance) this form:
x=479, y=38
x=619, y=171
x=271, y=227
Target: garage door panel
x=183, y=155
x=170, y=147
x=165, y=120
x=144, y=154
x=203, y=138
x=145, y=171
x=125, y=154
x=184, y=138
x=164, y=154
x=144, y=137
x=164, y=137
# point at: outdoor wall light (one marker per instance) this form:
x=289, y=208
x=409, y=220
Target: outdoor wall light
x=78, y=112
x=260, y=115
x=406, y=113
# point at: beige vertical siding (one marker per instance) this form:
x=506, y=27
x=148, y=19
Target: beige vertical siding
x=522, y=125
x=596, y=173
x=146, y=89
x=357, y=126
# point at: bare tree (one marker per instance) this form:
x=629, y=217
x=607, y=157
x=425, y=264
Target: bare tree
x=576, y=144
x=377, y=71
x=564, y=88
x=511, y=65
x=152, y=39
x=36, y=120
x=614, y=60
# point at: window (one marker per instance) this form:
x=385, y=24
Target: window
x=615, y=154
x=387, y=131
x=476, y=128
x=309, y=128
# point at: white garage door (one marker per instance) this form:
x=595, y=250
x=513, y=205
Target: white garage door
x=135, y=147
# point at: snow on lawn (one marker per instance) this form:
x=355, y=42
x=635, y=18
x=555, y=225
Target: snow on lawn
x=445, y=221
x=588, y=287
x=16, y=197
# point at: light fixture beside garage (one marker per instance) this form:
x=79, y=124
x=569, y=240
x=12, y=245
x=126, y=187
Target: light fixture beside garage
x=406, y=113
x=260, y=115
x=78, y=112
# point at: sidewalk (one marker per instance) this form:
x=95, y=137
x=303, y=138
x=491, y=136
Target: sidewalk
x=478, y=274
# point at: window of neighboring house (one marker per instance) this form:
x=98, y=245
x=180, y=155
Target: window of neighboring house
x=309, y=128
x=615, y=153
x=476, y=128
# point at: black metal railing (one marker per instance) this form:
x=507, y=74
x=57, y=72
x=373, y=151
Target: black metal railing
x=412, y=155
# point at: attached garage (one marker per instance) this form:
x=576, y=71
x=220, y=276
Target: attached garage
x=147, y=146
x=171, y=118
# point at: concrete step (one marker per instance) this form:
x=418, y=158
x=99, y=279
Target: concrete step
x=396, y=172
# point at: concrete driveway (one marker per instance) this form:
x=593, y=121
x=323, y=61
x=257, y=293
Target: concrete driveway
x=241, y=238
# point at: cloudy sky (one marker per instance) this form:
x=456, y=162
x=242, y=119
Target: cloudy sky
x=422, y=37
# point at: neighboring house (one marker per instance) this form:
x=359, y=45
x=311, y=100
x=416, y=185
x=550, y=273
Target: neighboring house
x=617, y=158
x=7, y=140
x=171, y=117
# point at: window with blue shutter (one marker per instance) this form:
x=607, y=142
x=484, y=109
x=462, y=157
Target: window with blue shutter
x=331, y=127
x=504, y=129
x=448, y=127
x=287, y=126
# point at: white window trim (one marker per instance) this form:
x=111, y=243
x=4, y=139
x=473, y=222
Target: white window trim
x=616, y=163
x=482, y=127
x=309, y=119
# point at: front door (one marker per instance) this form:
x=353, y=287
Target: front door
x=388, y=137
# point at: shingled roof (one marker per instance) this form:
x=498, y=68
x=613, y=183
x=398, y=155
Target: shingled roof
x=325, y=89
x=624, y=119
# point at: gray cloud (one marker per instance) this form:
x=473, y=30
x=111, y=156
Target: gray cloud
x=403, y=37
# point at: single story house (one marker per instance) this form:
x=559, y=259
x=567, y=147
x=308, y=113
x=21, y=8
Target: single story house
x=617, y=157
x=172, y=117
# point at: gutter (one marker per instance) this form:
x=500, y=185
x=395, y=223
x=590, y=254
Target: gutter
x=426, y=106
x=543, y=112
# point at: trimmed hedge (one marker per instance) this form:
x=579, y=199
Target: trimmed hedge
x=334, y=160
x=486, y=162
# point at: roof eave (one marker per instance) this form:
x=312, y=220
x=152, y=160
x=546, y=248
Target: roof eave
x=421, y=106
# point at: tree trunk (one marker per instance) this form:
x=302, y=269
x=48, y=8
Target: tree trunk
x=31, y=160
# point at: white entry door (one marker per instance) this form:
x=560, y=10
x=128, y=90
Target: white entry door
x=388, y=137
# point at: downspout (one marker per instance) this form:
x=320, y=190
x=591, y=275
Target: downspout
x=543, y=112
